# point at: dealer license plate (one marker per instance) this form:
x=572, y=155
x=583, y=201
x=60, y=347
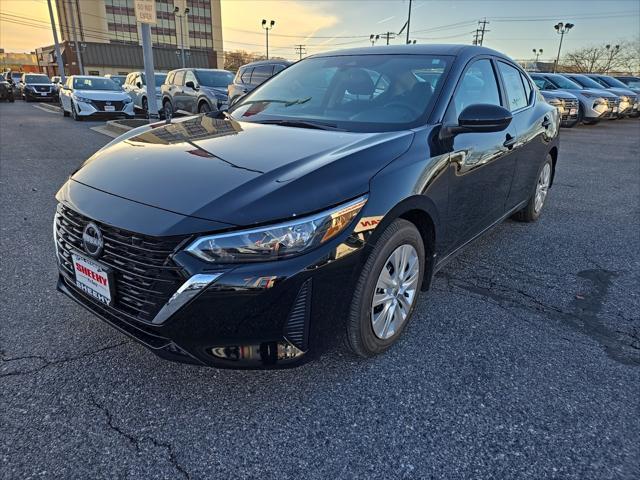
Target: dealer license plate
x=93, y=278
x=109, y=108
x=573, y=111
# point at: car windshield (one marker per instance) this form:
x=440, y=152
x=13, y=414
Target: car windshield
x=586, y=82
x=632, y=82
x=208, y=78
x=158, y=77
x=563, y=82
x=118, y=79
x=350, y=92
x=613, y=82
x=95, y=84
x=36, y=79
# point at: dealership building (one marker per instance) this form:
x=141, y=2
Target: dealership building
x=109, y=38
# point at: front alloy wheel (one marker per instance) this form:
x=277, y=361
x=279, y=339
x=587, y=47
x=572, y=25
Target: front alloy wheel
x=204, y=108
x=387, y=290
x=395, y=291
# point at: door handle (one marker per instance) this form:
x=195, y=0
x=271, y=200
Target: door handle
x=546, y=123
x=510, y=141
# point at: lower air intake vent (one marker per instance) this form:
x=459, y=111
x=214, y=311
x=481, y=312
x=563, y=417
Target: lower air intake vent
x=297, y=328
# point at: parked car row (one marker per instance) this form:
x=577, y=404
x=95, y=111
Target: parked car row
x=588, y=98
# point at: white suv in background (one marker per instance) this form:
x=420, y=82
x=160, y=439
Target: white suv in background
x=84, y=96
x=136, y=87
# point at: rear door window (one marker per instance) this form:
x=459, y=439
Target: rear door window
x=514, y=87
x=261, y=73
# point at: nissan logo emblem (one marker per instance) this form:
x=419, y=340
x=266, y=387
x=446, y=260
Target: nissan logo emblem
x=92, y=239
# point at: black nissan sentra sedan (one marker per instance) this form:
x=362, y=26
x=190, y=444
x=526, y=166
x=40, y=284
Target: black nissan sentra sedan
x=319, y=207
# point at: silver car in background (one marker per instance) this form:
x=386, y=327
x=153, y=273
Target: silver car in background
x=623, y=91
x=624, y=102
x=567, y=105
x=135, y=86
x=594, y=105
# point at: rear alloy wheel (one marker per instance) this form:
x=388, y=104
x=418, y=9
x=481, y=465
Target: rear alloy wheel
x=533, y=209
x=204, y=108
x=387, y=290
x=74, y=113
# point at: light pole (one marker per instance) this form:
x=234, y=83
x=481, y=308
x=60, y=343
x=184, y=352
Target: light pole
x=267, y=27
x=176, y=12
x=561, y=29
x=373, y=39
x=537, y=53
x=612, y=53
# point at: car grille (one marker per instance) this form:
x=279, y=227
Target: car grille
x=42, y=89
x=100, y=104
x=144, y=276
x=570, y=103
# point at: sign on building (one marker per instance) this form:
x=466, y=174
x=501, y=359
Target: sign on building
x=146, y=11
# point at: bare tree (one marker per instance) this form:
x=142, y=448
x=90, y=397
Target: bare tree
x=608, y=58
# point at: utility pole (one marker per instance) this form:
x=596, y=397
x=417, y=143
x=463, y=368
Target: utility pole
x=482, y=30
x=176, y=12
x=389, y=35
x=408, y=21
x=75, y=39
x=561, y=29
x=301, y=49
x=267, y=27
x=56, y=44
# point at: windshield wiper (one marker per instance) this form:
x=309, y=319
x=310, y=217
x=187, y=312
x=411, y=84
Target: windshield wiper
x=286, y=103
x=301, y=124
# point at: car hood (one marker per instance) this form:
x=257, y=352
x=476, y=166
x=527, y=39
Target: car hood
x=217, y=91
x=595, y=91
x=240, y=173
x=102, y=94
x=549, y=94
x=38, y=84
x=622, y=91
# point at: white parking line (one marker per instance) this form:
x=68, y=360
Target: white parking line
x=47, y=108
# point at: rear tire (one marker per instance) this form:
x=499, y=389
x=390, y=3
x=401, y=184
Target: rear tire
x=369, y=331
x=167, y=108
x=531, y=212
x=145, y=106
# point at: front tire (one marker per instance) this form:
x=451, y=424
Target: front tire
x=145, y=106
x=387, y=290
x=204, y=108
x=167, y=109
x=531, y=212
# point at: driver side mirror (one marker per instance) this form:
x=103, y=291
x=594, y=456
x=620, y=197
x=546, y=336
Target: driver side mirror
x=481, y=118
x=139, y=84
x=191, y=85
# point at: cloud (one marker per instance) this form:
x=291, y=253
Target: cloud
x=386, y=19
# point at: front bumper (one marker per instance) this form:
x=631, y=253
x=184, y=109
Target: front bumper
x=85, y=109
x=266, y=315
x=40, y=96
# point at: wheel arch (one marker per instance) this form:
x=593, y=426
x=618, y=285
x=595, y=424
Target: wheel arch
x=420, y=211
x=554, y=158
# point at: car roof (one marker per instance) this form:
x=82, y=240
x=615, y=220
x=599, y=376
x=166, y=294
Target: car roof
x=267, y=62
x=420, y=49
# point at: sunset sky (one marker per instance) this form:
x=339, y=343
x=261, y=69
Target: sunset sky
x=517, y=26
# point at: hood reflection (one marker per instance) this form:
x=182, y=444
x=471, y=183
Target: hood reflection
x=201, y=127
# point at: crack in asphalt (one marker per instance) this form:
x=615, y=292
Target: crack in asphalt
x=136, y=441
x=583, y=317
x=48, y=363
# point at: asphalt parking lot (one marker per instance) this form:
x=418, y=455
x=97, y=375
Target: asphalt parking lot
x=523, y=361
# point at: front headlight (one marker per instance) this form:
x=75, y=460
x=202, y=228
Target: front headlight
x=279, y=241
x=556, y=102
x=78, y=98
x=127, y=100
